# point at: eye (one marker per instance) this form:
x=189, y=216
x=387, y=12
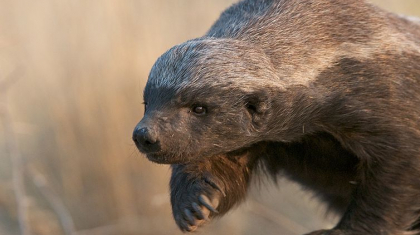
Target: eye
x=199, y=110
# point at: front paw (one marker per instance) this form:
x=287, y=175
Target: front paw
x=194, y=202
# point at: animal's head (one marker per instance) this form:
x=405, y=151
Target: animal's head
x=205, y=97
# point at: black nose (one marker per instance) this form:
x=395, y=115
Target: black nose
x=145, y=140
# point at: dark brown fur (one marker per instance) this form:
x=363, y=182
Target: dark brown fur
x=324, y=92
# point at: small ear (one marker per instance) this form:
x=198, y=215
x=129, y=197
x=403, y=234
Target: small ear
x=258, y=106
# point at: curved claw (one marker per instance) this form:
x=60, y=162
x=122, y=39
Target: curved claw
x=189, y=217
x=214, y=185
x=198, y=212
x=205, y=201
x=184, y=226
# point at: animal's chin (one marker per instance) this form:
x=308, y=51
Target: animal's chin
x=167, y=158
x=164, y=159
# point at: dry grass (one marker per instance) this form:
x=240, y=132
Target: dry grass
x=83, y=65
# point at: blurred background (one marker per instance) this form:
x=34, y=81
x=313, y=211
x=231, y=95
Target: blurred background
x=72, y=74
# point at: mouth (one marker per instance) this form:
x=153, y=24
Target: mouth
x=158, y=156
x=167, y=158
x=163, y=158
x=148, y=149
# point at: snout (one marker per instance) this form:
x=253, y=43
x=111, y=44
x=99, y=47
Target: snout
x=146, y=139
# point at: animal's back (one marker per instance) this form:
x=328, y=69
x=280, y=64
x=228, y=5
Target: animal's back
x=304, y=39
x=239, y=20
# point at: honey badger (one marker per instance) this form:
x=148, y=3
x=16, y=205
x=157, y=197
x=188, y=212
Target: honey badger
x=325, y=92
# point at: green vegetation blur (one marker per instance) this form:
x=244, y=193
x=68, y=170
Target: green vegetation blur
x=72, y=74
